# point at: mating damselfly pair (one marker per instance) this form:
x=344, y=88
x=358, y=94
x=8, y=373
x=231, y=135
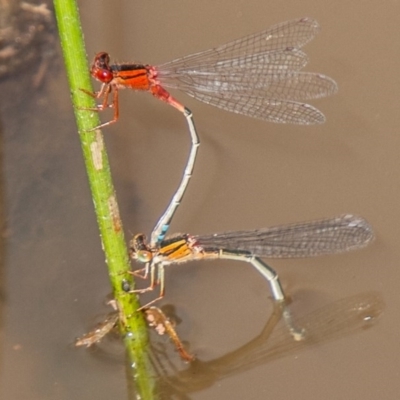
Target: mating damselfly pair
x=259, y=76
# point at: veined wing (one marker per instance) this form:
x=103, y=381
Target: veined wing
x=267, y=109
x=305, y=239
x=278, y=102
x=265, y=67
x=289, y=34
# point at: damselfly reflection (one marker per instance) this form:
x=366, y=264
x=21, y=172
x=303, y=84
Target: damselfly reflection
x=155, y=318
x=339, y=319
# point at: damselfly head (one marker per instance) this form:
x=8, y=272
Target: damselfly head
x=139, y=250
x=101, y=69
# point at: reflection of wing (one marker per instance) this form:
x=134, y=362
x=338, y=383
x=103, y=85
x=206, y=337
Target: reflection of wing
x=333, y=321
x=336, y=320
x=305, y=239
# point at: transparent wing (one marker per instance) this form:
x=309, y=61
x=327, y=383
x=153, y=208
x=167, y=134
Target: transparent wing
x=305, y=239
x=258, y=75
x=275, y=103
x=289, y=34
x=260, y=69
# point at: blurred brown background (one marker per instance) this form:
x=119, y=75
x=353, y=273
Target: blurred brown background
x=249, y=174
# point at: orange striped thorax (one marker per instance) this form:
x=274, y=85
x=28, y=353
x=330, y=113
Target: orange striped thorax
x=176, y=249
x=124, y=75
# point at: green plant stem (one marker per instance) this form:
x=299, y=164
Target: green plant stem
x=132, y=325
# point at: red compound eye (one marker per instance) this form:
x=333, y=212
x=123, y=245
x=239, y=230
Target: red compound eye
x=102, y=75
